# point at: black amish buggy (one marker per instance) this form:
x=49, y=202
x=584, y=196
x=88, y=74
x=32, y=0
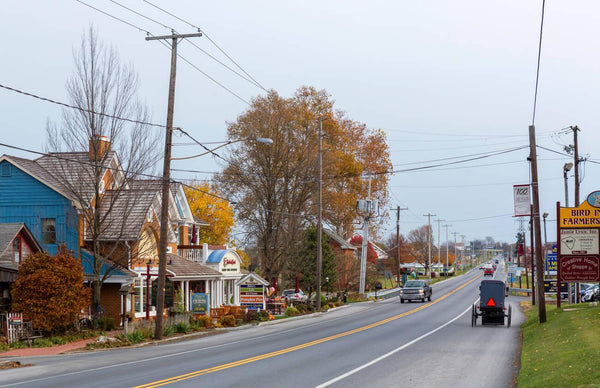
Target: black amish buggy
x=491, y=307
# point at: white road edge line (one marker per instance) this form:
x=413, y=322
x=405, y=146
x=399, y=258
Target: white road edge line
x=353, y=371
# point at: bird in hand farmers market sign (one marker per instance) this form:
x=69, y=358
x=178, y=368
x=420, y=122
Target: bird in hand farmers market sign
x=579, y=242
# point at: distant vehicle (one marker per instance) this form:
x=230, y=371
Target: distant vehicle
x=488, y=271
x=415, y=290
x=292, y=296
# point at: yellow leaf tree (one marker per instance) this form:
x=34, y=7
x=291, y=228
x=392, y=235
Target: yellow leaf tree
x=207, y=205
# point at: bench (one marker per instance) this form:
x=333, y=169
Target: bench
x=25, y=332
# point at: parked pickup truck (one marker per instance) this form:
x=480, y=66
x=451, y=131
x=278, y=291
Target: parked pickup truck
x=415, y=290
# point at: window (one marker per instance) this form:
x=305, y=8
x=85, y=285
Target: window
x=6, y=169
x=49, y=230
x=101, y=188
x=17, y=250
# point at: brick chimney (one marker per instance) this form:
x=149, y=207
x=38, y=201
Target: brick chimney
x=99, y=145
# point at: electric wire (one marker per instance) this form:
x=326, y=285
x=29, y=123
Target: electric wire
x=142, y=15
x=178, y=55
x=210, y=40
x=79, y=108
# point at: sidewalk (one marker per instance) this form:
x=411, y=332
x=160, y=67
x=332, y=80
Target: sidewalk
x=56, y=349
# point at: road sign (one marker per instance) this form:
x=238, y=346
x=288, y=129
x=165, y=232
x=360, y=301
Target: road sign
x=551, y=263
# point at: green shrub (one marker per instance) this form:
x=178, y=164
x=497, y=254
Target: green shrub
x=292, y=311
x=302, y=308
x=182, y=327
x=250, y=316
x=59, y=340
x=204, y=321
x=18, y=345
x=168, y=330
x=227, y=321
x=3, y=347
x=263, y=315
x=136, y=337
x=42, y=343
x=105, y=323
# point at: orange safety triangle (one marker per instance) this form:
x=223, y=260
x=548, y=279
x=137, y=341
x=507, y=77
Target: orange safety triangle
x=491, y=302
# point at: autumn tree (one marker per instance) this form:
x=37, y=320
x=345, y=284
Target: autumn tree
x=275, y=186
x=419, y=245
x=108, y=112
x=207, y=205
x=49, y=290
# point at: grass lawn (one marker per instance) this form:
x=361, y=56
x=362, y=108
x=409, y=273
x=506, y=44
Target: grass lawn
x=562, y=352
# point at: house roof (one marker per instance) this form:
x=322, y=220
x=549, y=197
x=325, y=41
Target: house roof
x=339, y=240
x=75, y=171
x=216, y=256
x=182, y=268
x=8, y=232
x=125, y=211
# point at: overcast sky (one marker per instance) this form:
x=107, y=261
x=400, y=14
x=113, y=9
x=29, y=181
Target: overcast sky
x=444, y=79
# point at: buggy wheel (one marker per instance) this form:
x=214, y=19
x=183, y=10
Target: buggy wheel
x=473, y=317
x=509, y=314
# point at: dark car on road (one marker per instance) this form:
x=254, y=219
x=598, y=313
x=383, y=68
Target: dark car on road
x=415, y=290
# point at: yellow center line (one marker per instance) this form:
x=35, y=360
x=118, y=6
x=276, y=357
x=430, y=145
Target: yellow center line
x=298, y=347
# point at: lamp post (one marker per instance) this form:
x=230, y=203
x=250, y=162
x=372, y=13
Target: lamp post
x=566, y=168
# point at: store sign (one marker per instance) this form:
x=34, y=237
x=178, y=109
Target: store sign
x=252, y=296
x=199, y=303
x=580, y=269
x=522, y=200
x=584, y=216
x=578, y=241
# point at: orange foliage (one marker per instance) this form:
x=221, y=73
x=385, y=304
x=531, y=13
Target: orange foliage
x=49, y=290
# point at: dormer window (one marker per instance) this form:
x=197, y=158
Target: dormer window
x=101, y=188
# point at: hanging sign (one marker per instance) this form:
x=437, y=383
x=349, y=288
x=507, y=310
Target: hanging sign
x=522, y=200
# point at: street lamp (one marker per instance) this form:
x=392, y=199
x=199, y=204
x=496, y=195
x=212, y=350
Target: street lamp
x=566, y=168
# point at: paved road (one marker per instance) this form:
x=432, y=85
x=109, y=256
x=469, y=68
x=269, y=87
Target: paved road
x=383, y=344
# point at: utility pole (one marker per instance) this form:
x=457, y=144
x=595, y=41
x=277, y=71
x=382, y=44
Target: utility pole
x=455, y=254
x=164, y=213
x=439, y=249
x=319, y=215
x=536, y=224
x=398, y=210
x=448, y=248
x=429, y=215
x=368, y=211
x=576, y=156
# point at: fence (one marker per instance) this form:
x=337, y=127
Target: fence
x=11, y=323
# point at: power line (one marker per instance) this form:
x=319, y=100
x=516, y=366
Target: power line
x=114, y=17
x=211, y=40
x=454, y=157
x=78, y=108
x=140, y=14
x=180, y=56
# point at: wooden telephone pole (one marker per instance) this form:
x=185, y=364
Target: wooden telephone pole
x=164, y=213
x=398, y=210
